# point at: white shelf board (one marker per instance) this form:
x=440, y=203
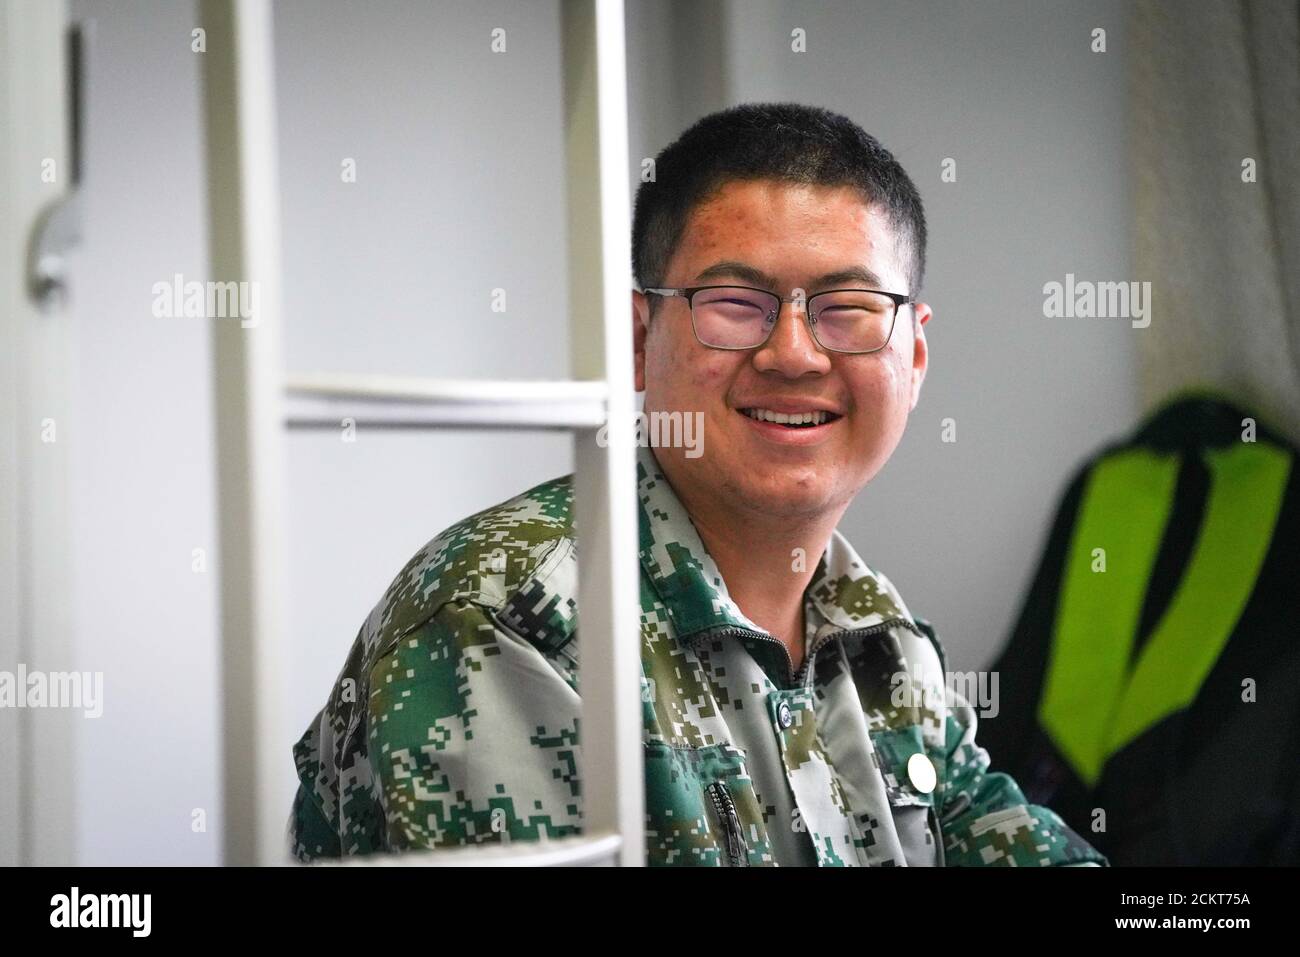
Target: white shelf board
x=324, y=400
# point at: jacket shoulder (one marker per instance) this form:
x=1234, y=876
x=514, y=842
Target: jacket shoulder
x=489, y=559
x=498, y=560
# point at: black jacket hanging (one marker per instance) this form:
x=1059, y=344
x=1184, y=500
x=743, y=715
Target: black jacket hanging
x=1150, y=692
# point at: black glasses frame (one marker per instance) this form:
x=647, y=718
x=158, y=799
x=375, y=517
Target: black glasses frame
x=688, y=293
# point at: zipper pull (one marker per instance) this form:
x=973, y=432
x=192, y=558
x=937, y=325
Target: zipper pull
x=737, y=853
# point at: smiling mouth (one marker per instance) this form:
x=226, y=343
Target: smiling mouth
x=799, y=420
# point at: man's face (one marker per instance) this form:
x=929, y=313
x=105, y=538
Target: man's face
x=781, y=237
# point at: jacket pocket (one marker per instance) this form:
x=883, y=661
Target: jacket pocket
x=700, y=808
x=918, y=833
x=916, y=819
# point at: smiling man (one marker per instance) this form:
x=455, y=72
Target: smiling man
x=802, y=405
x=794, y=709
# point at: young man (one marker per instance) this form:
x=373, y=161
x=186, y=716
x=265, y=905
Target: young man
x=794, y=708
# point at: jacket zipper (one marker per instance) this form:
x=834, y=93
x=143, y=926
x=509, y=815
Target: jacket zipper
x=790, y=674
x=720, y=795
x=852, y=633
x=718, y=791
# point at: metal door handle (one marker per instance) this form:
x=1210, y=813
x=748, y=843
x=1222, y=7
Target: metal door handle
x=58, y=228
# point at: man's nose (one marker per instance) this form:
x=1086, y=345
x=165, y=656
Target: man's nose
x=791, y=349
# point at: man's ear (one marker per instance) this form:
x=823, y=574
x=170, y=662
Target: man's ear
x=640, y=328
x=920, y=349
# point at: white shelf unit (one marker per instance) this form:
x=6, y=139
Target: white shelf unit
x=255, y=402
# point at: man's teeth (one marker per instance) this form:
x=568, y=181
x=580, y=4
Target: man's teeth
x=782, y=418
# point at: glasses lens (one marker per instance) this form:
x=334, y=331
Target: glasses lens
x=852, y=320
x=732, y=317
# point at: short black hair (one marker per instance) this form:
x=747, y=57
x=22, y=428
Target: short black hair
x=782, y=141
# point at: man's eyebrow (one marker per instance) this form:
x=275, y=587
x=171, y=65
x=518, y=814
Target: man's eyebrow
x=729, y=268
x=854, y=275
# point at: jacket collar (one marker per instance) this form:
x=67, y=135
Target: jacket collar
x=843, y=594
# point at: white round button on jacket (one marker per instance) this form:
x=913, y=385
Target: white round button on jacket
x=920, y=771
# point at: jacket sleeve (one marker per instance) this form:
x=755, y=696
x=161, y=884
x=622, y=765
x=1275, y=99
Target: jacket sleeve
x=985, y=818
x=472, y=736
x=459, y=733
x=311, y=834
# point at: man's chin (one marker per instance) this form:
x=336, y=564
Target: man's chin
x=795, y=498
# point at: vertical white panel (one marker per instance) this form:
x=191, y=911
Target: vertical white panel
x=605, y=478
x=245, y=246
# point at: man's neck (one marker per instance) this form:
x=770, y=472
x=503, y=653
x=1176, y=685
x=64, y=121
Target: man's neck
x=767, y=563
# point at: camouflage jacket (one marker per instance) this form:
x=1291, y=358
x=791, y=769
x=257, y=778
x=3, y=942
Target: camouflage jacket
x=455, y=718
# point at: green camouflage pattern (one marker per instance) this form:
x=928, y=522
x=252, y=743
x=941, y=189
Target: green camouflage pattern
x=455, y=720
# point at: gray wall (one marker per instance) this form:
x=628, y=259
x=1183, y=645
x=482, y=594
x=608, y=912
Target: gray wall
x=458, y=192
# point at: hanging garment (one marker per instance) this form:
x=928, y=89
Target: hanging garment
x=1150, y=692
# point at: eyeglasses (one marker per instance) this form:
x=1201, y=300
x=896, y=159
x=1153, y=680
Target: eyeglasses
x=742, y=317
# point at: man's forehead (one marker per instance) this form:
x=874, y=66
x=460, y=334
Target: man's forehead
x=852, y=275
x=719, y=242
x=768, y=196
